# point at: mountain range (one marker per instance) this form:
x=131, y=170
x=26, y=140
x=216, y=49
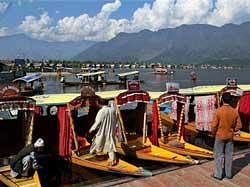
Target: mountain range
x=22, y=46
x=184, y=44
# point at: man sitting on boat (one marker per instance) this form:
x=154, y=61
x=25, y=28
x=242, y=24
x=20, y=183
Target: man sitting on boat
x=25, y=162
x=104, y=126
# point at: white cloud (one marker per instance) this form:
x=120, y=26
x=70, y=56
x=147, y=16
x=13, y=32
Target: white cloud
x=3, y=7
x=157, y=15
x=3, y=31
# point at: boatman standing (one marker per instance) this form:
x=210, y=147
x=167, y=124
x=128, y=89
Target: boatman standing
x=105, y=128
x=225, y=124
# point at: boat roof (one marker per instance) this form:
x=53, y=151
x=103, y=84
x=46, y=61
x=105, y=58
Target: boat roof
x=128, y=73
x=209, y=89
x=58, y=99
x=61, y=99
x=29, y=78
x=91, y=73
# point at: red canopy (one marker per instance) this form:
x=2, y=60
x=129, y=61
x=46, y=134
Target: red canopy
x=132, y=96
x=167, y=97
x=83, y=101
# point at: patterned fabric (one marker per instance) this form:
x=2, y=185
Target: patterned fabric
x=174, y=99
x=17, y=103
x=166, y=98
x=204, y=110
x=155, y=123
x=131, y=97
x=83, y=101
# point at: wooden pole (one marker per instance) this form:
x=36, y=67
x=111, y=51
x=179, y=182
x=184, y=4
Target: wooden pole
x=160, y=122
x=72, y=127
x=179, y=134
x=30, y=133
x=144, y=126
x=119, y=116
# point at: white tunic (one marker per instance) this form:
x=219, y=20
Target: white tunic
x=105, y=123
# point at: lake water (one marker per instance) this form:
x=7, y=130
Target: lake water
x=154, y=82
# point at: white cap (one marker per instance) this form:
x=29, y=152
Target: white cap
x=39, y=143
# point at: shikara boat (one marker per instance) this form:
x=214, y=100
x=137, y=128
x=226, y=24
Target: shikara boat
x=16, y=124
x=135, y=142
x=88, y=78
x=123, y=77
x=216, y=90
x=175, y=141
x=69, y=117
x=5, y=178
x=30, y=85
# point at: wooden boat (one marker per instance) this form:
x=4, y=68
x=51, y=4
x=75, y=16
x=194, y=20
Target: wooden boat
x=161, y=71
x=66, y=114
x=5, y=177
x=215, y=90
x=89, y=78
x=17, y=117
x=176, y=141
x=135, y=141
x=193, y=76
x=30, y=85
x=123, y=77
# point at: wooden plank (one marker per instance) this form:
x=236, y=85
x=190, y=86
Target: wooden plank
x=7, y=181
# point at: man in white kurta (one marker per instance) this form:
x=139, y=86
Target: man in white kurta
x=105, y=125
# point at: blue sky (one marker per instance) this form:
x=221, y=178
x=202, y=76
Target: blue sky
x=60, y=8
x=101, y=20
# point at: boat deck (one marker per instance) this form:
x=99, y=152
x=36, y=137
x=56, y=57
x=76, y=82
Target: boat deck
x=198, y=175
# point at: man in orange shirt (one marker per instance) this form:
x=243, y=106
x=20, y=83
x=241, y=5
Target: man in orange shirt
x=226, y=123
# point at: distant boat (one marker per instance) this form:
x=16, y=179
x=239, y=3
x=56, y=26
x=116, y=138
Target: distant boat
x=92, y=78
x=162, y=71
x=193, y=76
x=30, y=85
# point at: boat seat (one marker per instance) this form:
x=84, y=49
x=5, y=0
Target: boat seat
x=137, y=146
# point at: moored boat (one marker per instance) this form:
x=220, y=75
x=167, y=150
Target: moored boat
x=215, y=92
x=30, y=85
x=134, y=130
x=5, y=178
x=175, y=141
x=70, y=118
x=160, y=70
x=17, y=115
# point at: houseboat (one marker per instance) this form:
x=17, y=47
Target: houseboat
x=30, y=84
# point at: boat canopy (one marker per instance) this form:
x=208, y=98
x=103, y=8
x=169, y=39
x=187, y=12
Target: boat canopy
x=91, y=74
x=127, y=73
x=29, y=78
x=17, y=103
x=170, y=97
x=132, y=97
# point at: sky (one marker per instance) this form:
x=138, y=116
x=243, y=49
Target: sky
x=102, y=20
